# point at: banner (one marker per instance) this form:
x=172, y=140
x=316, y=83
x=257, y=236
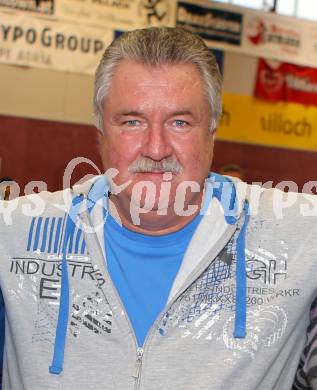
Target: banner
x=278, y=37
x=278, y=81
x=287, y=125
x=42, y=7
x=41, y=43
x=274, y=35
x=210, y=23
x=118, y=14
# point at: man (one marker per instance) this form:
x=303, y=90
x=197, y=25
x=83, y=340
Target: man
x=157, y=275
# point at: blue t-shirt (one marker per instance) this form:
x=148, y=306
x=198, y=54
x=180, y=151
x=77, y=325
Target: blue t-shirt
x=143, y=269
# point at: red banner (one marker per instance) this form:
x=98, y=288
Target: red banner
x=280, y=81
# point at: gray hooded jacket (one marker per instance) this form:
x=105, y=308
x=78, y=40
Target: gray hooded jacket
x=236, y=316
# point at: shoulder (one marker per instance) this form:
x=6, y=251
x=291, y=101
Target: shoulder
x=18, y=212
x=286, y=213
x=283, y=205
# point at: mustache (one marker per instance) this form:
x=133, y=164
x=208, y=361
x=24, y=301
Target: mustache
x=145, y=164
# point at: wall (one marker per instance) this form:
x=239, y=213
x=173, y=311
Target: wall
x=40, y=150
x=45, y=94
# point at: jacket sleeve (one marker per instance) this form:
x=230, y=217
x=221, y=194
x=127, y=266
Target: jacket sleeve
x=306, y=376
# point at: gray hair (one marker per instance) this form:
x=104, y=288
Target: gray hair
x=157, y=46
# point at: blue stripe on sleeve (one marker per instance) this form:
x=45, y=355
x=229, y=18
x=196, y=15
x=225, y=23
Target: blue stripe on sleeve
x=37, y=233
x=57, y=234
x=44, y=238
x=30, y=234
x=83, y=247
x=78, y=235
x=51, y=235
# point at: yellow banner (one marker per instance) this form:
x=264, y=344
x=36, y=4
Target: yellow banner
x=249, y=120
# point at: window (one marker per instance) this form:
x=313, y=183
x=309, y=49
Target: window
x=286, y=7
x=256, y=4
x=307, y=9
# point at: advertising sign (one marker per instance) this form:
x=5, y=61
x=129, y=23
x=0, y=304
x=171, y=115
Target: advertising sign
x=118, y=14
x=281, y=81
x=53, y=45
x=249, y=120
x=210, y=23
x=44, y=7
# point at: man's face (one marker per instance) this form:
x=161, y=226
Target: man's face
x=157, y=115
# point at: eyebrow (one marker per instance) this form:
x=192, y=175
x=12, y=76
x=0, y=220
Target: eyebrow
x=182, y=112
x=127, y=113
x=138, y=113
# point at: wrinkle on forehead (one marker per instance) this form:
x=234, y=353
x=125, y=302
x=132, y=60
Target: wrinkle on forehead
x=156, y=77
x=163, y=88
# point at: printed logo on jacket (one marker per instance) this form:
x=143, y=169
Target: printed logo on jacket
x=207, y=309
x=40, y=270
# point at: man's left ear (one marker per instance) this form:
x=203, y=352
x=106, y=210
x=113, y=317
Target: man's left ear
x=99, y=140
x=100, y=136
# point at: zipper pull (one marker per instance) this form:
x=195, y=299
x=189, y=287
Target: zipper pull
x=138, y=363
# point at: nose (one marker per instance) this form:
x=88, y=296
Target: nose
x=156, y=143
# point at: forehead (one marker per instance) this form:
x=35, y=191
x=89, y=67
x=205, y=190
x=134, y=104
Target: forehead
x=133, y=80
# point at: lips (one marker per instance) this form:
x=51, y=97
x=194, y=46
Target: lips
x=155, y=171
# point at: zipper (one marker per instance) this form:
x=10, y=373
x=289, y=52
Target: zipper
x=138, y=367
x=139, y=350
